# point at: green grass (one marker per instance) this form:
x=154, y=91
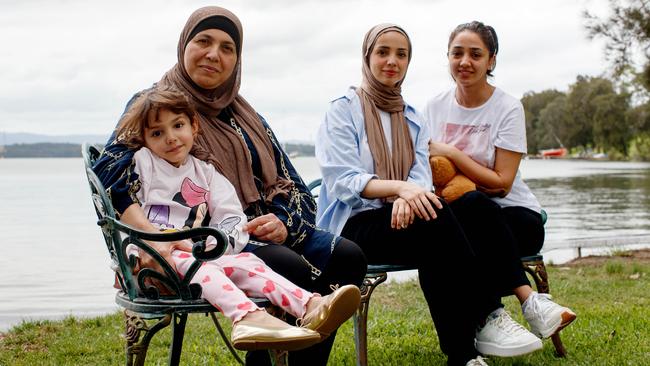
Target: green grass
x=613, y=328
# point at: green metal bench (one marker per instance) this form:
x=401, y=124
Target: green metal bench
x=143, y=301
x=378, y=273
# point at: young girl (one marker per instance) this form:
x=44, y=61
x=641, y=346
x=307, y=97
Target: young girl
x=483, y=131
x=178, y=191
x=376, y=191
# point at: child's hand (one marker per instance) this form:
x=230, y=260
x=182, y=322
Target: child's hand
x=165, y=250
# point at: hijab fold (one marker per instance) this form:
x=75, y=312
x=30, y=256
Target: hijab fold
x=218, y=142
x=394, y=163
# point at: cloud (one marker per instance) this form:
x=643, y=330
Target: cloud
x=70, y=66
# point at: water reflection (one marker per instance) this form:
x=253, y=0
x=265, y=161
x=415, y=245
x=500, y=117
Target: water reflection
x=615, y=205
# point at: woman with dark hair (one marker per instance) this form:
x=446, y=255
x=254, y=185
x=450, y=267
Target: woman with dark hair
x=242, y=147
x=482, y=130
x=376, y=191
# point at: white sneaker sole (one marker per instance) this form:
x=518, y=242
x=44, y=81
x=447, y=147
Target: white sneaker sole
x=494, y=349
x=564, y=320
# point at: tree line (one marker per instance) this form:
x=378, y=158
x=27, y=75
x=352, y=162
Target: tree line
x=69, y=150
x=610, y=113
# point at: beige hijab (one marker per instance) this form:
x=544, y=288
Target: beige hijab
x=374, y=96
x=218, y=142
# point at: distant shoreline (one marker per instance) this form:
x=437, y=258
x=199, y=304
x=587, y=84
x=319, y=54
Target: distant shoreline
x=73, y=150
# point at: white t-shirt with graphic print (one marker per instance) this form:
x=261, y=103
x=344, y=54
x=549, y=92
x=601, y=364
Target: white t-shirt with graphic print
x=499, y=122
x=192, y=195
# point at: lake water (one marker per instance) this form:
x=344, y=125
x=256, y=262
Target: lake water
x=54, y=262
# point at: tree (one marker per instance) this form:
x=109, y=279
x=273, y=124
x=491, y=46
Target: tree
x=555, y=126
x=627, y=35
x=639, y=144
x=595, y=106
x=627, y=32
x=591, y=115
x=611, y=130
x=536, y=132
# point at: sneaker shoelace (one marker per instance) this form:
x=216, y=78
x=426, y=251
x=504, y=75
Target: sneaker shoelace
x=505, y=322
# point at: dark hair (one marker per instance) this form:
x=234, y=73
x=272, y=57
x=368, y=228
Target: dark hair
x=145, y=108
x=488, y=36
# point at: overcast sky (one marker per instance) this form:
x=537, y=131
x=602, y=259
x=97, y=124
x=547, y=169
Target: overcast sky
x=69, y=66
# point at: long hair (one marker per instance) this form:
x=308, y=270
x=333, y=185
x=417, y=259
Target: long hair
x=146, y=108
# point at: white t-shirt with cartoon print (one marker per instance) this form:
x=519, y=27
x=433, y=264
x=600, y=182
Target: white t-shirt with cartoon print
x=192, y=195
x=499, y=122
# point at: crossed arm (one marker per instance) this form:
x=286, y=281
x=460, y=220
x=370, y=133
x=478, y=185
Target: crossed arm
x=411, y=200
x=497, y=181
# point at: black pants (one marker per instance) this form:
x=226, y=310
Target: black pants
x=347, y=265
x=491, y=238
x=527, y=227
x=446, y=267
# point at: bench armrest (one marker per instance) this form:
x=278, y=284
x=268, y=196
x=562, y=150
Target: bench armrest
x=148, y=282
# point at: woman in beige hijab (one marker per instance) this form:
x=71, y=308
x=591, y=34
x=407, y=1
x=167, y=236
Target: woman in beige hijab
x=373, y=151
x=242, y=146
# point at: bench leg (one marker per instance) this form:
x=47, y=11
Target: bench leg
x=136, y=349
x=360, y=318
x=178, y=333
x=226, y=339
x=537, y=270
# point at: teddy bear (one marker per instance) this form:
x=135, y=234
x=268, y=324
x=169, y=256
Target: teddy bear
x=448, y=182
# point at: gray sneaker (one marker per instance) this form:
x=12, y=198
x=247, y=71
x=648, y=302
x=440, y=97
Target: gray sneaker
x=501, y=336
x=544, y=316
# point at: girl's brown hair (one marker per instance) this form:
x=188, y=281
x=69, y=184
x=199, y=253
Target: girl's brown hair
x=145, y=108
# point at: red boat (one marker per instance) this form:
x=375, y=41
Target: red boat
x=554, y=153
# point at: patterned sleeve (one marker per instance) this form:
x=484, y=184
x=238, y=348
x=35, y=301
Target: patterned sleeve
x=298, y=211
x=115, y=168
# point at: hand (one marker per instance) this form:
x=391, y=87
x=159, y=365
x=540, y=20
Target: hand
x=267, y=228
x=420, y=200
x=165, y=250
x=402, y=215
x=440, y=149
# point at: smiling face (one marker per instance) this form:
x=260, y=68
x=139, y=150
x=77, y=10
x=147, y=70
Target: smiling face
x=469, y=59
x=170, y=136
x=210, y=58
x=389, y=58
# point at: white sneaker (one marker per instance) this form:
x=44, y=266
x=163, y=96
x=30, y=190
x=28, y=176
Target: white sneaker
x=478, y=361
x=504, y=337
x=544, y=316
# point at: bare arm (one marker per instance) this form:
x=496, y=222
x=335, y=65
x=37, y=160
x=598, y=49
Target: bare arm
x=506, y=165
x=134, y=216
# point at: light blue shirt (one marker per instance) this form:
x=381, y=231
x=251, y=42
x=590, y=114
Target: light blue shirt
x=347, y=165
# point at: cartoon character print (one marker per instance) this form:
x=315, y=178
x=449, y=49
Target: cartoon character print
x=196, y=198
x=159, y=216
x=228, y=226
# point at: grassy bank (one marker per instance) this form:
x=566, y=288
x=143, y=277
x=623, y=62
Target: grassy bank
x=611, y=297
